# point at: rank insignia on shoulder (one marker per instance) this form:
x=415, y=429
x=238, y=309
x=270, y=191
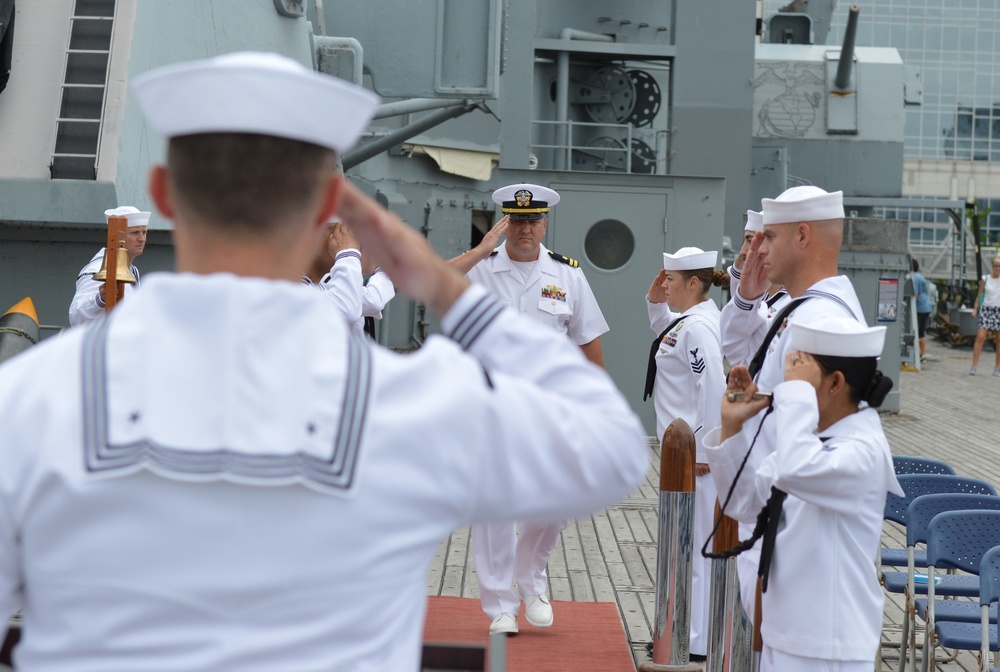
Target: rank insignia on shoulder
x=554, y=292
x=572, y=263
x=494, y=253
x=697, y=363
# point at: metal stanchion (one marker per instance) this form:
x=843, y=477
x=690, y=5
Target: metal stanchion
x=675, y=547
x=730, y=630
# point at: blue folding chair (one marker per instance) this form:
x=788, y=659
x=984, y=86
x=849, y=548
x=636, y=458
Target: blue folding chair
x=957, y=540
x=972, y=636
x=915, y=485
x=911, y=464
x=918, y=516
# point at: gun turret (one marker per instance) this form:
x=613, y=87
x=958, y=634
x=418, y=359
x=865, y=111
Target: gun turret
x=843, y=78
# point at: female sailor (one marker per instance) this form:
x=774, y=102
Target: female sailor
x=823, y=493
x=685, y=377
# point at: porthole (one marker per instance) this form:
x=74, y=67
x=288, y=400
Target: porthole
x=609, y=244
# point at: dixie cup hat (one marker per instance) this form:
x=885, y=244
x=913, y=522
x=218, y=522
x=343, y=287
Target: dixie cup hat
x=803, y=204
x=689, y=259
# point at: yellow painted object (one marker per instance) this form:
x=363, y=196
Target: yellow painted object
x=26, y=307
x=19, y=329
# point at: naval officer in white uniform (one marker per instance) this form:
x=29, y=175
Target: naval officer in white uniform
x=219, y=475
x=550, y=289
x=689, y=382
x=88, y=304
x=829, y=474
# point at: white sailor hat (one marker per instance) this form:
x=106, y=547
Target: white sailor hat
x=525, y=201
x=836, y=337
x=755, y=222
x=255, y=92
x=689, y=259
x=803, y=204
x=135, y=216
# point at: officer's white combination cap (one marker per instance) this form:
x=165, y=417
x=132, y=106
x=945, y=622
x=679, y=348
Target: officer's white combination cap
x=689, y=259
x=135, y=216
x=803, y=204
x=255, y=92
x=755, y=223
x=836, y=337
x=525, y=201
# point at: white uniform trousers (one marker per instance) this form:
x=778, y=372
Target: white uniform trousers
x=779, y=661
x=701, y=567
x=502, y=555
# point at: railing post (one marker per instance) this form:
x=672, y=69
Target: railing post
x=674, y=550
x=730, y=631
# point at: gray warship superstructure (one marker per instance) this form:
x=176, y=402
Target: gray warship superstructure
x=652, y=120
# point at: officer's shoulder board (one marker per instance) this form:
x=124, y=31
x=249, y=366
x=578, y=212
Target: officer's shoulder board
x=494, y=253
x=572, y=263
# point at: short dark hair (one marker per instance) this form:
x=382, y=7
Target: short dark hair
x=245, y=182
x=915, y=264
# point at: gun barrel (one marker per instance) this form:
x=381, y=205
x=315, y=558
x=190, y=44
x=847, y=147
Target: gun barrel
x=843, y=78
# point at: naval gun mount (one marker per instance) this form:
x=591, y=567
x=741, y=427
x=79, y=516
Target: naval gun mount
x=842, y=102
x=825, y=115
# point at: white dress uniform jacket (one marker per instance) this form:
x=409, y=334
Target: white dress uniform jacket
x=192, y=487
x=823, y=600
x=345, y=286
x=689, y=384
x=742, y=330
x=87, y=305
x=833, y=296
x=555, y=294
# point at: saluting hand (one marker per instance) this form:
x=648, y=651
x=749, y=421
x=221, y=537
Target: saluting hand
x=803, y=366
x=491, y=240
x=340, y=238
x=656, y=291
x=753, y=274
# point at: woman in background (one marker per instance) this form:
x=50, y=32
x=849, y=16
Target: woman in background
x=686, y=379
x=987, y=307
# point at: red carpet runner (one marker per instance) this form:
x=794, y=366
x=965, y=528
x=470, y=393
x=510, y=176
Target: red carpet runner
x=586, y=636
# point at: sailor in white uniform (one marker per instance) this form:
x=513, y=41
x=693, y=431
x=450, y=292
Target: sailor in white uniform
x=88, y=304
x=337, y=272
x=745, y=330
x=550, y=289
x=689, y=382
x=219, y=475
x=799, y=248
x=825, y=485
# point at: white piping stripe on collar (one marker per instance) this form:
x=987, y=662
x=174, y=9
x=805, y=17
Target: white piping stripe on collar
x=832, y=297
x=334, y=475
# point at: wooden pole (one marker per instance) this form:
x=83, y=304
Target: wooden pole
x=114, y=290
x=730, y=631
x=672, y=626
